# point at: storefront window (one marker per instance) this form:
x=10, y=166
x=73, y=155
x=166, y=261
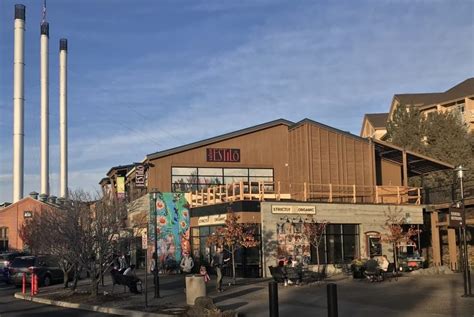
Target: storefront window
x=338, y=245
x=247, y=260
x=185, y=179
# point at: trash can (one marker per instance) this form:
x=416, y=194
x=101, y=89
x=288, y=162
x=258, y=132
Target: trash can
x=195, y=287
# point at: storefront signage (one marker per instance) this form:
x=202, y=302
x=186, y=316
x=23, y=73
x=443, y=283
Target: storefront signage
x=455, y=217
x=212, y=220
x=223, y=155
x=120, y=187
x=290, y=209
x=140, y=176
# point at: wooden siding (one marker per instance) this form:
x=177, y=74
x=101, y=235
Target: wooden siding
x=391, y=173
x=266, y=148
x=327, y=157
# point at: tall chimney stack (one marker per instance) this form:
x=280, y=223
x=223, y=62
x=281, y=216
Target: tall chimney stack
x=18, y=102
x=63, y=188
x=44, y=107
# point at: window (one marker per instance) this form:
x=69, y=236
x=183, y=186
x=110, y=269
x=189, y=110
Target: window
x=339, y=244
x=185, y=179
x=375, y=246
x=3, y=239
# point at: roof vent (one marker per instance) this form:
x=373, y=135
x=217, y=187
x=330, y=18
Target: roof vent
x=34, y=195
x=43, y=197
x=52, y=199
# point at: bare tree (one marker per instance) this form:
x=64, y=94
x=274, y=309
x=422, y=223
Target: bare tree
x=54, y=232
x=314, y=231
x=101, y=229
x=83, y=233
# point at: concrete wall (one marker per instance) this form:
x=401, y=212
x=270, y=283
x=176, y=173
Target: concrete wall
x=370, y=218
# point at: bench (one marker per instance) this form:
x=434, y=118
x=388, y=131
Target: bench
x=120, y=279
x=294, y=274
x=278, y=273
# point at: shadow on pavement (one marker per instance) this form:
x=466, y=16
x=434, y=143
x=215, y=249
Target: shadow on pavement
x=233, y=306
x=236, y=294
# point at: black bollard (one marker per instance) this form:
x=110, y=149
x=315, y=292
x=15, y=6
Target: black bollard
x=273, y=298
x=332, y=300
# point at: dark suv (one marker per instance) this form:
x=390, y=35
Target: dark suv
x=44, y=266
x=6, y=260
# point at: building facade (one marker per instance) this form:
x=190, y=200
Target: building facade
x=349, y=181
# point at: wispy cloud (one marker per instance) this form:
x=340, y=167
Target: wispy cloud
x=329, y=62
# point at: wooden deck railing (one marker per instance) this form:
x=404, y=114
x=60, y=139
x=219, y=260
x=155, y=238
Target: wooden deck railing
x=328, y=193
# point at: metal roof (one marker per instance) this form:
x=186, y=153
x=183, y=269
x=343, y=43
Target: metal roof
x=219, y=138
x=418, y=164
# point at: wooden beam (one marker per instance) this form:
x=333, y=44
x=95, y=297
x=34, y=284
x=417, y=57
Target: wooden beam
x=405, y=169
x=435, y=243
x=453, y=250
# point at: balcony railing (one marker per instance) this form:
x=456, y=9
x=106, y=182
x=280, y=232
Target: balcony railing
x=448, y=193
x=307, y=192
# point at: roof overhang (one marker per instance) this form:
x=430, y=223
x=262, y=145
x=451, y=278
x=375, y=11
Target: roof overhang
x=417, y=164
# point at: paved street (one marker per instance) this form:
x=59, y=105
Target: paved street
x=10, y=306
x=434, y=296
x=417, y=296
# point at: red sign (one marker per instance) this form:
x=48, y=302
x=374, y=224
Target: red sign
x=223, y=155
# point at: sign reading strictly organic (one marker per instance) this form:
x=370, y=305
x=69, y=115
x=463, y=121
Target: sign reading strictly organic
x=223, y=155
x=140, y=176
x=212, y=220
x=291, y=209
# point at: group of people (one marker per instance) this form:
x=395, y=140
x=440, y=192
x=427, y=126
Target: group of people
x=120, y=266
x=375, y=268
x=284, y=265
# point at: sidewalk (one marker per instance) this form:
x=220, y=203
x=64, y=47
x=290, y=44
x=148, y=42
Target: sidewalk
x=172, y=301
x=411, y=295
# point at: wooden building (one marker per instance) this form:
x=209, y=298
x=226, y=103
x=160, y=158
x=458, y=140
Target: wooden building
x=281, y=161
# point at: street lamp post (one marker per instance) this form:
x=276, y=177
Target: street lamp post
x=466, y=272
x=156, y=275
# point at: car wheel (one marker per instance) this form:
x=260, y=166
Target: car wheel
x=46, y=280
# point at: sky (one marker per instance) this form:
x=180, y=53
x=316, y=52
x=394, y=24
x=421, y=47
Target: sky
x=149, y=75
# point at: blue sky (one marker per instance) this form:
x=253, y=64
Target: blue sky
x=147, y=75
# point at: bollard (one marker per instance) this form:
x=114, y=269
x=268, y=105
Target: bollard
x=332, y=300
x=32, y=285
x=36, y=284
x=23, y=284
x=273, y=298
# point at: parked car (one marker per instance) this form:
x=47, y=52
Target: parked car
x=5, y=261
x=46, y=267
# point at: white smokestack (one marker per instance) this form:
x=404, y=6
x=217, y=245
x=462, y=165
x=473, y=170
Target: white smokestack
x=18, y=102
x=63, y=188
x=44, y=108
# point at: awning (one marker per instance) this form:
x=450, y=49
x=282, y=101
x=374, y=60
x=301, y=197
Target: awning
x=417, y=164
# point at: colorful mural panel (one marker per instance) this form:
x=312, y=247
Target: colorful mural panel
x=169, y=214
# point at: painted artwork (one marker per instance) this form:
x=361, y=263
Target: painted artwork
x=172, y=228
x=292, y=243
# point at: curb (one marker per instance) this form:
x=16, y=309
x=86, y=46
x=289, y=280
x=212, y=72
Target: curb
x=95, y=308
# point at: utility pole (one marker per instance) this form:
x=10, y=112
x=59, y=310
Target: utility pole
x=466, y=272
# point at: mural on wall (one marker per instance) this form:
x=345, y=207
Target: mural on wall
x=292, y=243
x=169, y=214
